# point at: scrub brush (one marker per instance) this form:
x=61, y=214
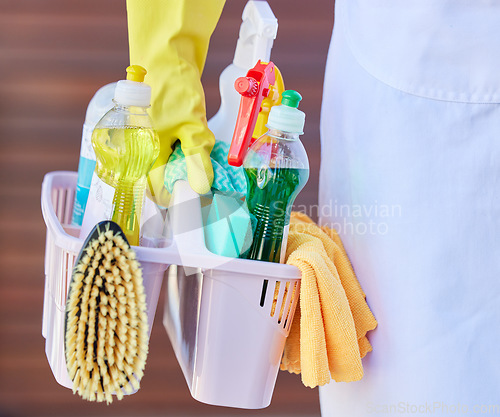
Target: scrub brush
x=106, y=327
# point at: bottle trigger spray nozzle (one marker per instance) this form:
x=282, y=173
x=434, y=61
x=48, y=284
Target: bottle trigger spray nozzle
x=257, y=34
x=253, y=89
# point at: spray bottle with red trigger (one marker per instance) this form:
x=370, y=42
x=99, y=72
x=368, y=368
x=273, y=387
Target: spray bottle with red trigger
x=258, y=30
x=276, y=164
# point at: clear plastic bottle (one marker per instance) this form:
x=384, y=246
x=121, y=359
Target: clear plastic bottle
x=126, y=147
x=277, y=168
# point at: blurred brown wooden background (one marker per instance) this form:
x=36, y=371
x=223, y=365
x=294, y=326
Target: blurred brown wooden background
x=54, y=55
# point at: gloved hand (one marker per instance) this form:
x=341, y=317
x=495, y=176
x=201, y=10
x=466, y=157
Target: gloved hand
x=170, y=39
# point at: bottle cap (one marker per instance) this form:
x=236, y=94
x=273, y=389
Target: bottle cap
x=136, y=73
x=133, y=91
x=287, y=117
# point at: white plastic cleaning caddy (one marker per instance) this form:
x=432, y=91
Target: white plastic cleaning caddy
x=227, y=324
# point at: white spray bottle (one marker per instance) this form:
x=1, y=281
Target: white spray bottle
x=257, y=33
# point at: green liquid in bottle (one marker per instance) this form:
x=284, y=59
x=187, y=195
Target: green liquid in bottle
x=270, y=196
x=124, y=158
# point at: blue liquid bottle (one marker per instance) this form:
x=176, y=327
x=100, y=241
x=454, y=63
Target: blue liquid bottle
x=99, y=105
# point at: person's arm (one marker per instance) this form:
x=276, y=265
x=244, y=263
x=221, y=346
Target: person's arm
x=170, y=39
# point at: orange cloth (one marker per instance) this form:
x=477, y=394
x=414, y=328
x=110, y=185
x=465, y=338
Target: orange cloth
x=328, y=335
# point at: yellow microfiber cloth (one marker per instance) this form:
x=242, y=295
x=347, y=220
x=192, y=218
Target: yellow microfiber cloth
x=328, y=335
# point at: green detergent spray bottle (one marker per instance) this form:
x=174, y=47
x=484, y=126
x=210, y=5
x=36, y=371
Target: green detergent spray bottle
x=277, y=168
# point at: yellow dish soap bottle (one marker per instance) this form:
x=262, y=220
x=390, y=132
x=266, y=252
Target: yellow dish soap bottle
x=126, y=147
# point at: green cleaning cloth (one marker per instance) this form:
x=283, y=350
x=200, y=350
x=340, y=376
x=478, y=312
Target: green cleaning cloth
x=227, y=178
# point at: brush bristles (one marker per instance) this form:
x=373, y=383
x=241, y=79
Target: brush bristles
x=107, y=324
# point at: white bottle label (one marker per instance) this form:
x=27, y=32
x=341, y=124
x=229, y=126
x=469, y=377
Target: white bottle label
x=284, y=242
x=87, y=151
x=86, y=167
x=99, y=205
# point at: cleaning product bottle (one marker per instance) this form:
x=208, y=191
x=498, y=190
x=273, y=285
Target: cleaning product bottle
x=257, y=33
x=99, y=105
x=126, y=147
x=277, y=168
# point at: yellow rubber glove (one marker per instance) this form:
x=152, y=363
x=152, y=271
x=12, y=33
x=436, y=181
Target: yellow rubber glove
x=170, y=39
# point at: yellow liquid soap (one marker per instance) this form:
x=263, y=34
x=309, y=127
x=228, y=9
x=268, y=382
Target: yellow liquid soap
x=124, y=157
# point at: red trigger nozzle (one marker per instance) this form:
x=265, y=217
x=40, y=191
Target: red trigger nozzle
x=246, y=86
x=253, y=89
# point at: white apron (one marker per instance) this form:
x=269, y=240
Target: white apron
x=410, y=177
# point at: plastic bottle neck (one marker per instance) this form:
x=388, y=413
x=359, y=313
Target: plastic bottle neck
x=279, y=134
x=131, y=109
